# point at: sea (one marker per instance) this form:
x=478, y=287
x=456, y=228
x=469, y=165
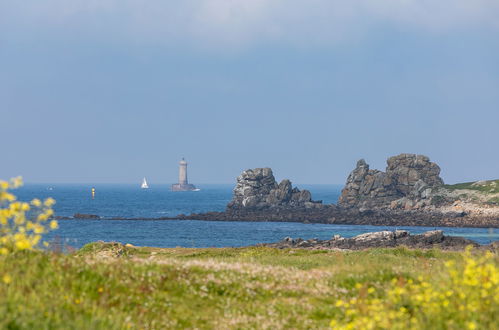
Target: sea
x=130, y=201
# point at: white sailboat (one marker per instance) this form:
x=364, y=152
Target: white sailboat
x=144, y=184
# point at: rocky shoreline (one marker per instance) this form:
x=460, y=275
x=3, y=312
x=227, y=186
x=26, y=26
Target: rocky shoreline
x=329, y=215
x=409, y=192
x=352, y=217
x=384, y=239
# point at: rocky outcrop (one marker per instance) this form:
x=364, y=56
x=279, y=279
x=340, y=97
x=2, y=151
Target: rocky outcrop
x=340, y=216
x=85, y=216
x=407, y=183
x=257, y=189
x=371, y=197
x=382, y=239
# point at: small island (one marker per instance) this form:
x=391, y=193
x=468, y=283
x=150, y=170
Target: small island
x=409, y=192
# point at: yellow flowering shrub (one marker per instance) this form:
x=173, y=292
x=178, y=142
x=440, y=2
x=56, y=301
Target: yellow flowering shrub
x=466, y=297
x=22, y=224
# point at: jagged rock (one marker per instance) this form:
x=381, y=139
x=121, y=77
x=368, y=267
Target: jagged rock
x=381, y=236
x=409, y=193
x=413, y=173
x=257, y=189
x=408, y=181
x=304, y=244
x=433, y=236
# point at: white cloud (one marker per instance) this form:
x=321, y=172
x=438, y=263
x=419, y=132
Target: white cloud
x=242, y=23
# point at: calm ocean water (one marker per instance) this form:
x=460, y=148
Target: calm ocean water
x=132, y=202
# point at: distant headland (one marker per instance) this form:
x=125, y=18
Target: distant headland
x=410, y=192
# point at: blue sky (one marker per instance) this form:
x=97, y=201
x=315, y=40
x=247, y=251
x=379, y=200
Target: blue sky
x=111, y=91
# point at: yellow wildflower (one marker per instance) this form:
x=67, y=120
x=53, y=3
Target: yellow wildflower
x=23, y=244
x=18, y=229
x=49, y=202
x=4, y=185
x=5, y=196
x=7, y=279
x=422, y=304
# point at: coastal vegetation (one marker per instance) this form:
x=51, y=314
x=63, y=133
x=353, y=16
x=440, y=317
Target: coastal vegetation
x=110, y=285
x=117, y=286
x=491, y=186
x=22, y=224
x=479, y=193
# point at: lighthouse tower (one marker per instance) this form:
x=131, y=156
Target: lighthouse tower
x=182, y=184
x=182, y=172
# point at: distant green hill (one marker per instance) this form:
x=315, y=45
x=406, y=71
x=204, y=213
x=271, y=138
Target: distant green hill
x=490, y=186
x=486, y=192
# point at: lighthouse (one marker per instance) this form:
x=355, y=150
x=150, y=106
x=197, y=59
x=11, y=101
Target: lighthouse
x=183, y=184
x=182, y=172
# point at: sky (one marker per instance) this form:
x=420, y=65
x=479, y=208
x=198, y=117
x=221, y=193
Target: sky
x=110, y=91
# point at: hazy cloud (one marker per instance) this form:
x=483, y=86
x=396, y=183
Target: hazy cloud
x=242, y=23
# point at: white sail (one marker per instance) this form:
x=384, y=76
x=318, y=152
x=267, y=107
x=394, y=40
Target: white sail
x=144, y=184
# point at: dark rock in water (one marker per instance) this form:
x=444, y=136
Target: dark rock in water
x=334, y=215
x=257, y=189
x=85, y=216
x=407, y=184
x=58, y=217
x=428, y=240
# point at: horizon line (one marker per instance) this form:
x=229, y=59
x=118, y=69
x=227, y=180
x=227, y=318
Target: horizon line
x=163, y=183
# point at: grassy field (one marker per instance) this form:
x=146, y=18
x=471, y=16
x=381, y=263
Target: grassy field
x=491, y=186
x=111, y=286
x=480, y=192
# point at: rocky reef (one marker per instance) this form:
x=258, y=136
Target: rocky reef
x=407, y=183
x=257, y=189
x=410, y=192
x=384, y=239
x=85, y=216
x=412, y=183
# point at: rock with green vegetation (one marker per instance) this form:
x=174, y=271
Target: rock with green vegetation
x=412, y=182
x=486, y=187
x=477, y=198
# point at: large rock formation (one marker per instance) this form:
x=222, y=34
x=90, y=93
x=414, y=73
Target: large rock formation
x=407, y=183
x=409, y=193
x=257, y=189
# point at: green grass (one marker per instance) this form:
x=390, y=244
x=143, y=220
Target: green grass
x=111, y=286
x=491, y=186
x=493, y=201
